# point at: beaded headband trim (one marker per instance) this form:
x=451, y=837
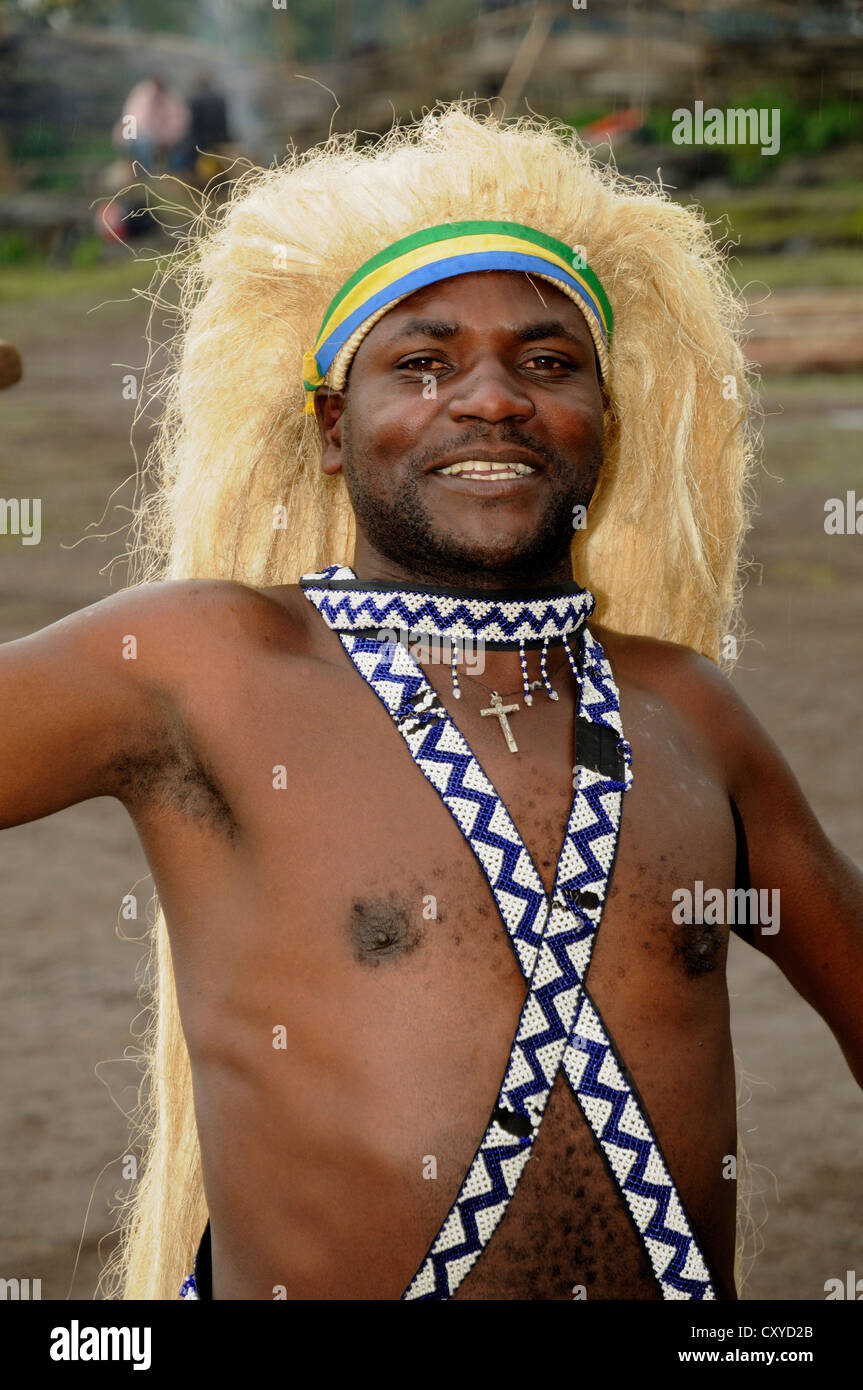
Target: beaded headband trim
x=439, y=253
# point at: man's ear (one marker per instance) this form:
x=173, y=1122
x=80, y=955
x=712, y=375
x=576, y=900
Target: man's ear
x=329, y=409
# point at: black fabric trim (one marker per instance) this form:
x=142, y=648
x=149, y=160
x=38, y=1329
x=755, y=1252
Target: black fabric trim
x=395, y=586
x=745, y=930
x=597, y=749
x=204, y=1266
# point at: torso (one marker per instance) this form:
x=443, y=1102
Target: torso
x=348, y=910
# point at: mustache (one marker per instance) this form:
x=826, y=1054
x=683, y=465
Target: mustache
x=425, y=458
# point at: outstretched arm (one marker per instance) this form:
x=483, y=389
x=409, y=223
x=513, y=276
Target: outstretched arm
x=73, y=698
x=819, y=942
x=83, y=699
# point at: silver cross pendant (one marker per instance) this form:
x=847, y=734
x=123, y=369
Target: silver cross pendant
x=502, y=710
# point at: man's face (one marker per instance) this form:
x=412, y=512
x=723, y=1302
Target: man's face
x=492, y=366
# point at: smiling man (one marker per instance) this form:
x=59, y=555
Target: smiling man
x=506, y=324
x=427, y=1017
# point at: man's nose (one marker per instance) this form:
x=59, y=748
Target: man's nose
x=490, y=392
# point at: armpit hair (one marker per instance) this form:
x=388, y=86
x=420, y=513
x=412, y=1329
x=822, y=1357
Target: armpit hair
x=165, y=773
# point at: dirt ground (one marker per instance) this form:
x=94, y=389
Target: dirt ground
x=68, y=985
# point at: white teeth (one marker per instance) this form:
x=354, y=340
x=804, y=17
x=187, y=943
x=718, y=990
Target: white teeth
x=499, y=470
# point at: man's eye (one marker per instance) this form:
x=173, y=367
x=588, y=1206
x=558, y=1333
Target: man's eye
x=544, y=357
x=413, y=361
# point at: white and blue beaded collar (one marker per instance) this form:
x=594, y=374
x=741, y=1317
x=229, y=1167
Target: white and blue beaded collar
x=494, y=619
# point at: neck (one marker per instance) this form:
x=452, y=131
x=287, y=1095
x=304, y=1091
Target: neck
x=369, y=563
x=502, y=670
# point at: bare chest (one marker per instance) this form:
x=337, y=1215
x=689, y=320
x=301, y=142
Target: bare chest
x=348, y=910
x=326, y=806
x=310, y=810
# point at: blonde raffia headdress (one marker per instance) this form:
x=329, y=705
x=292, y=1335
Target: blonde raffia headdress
x=439, y=253
x=235, y=489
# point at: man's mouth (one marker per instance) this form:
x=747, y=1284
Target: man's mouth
x=483, y=470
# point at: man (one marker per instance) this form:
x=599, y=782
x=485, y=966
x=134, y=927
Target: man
x=154, y=124
x=448, y=1034
x=209, y=115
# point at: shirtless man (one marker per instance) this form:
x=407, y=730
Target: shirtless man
x=331, y=1162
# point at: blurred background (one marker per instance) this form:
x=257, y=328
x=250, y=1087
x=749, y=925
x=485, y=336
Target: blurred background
x=214, y=84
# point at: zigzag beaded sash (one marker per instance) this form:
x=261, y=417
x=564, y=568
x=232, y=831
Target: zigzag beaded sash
x=559, y=1025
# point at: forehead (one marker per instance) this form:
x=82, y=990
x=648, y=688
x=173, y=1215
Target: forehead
x=484, y=300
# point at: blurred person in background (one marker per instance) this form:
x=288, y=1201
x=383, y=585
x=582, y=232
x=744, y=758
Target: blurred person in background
x=207, y=155
x=209, y=115
x=154, y=125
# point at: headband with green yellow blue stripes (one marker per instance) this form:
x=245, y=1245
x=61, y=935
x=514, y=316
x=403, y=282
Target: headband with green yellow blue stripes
x=438, y=253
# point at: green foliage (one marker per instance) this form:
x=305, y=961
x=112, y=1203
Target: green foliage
x=87, y=251
x=586, y=115
x=15, y=249
x=44, y=140
x=55, y=159
x=36, y=140
x=836, y=123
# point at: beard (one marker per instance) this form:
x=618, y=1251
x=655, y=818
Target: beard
x=401, y=526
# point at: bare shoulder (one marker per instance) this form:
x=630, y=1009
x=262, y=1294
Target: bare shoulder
x=698, y=691
x=172, y=636
x=658, y=665
x=164, y=603
x=287, y=604
x=177, y=624
x=189, y=606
